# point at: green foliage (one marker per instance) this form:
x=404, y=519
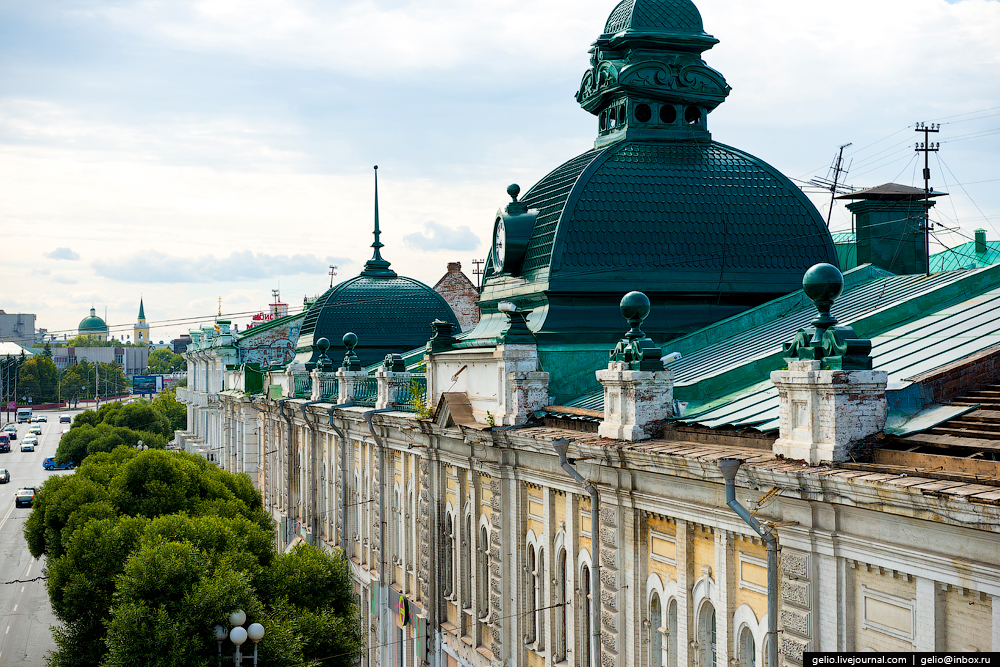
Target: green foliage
x=423, y=410
x=84, y=440
x=167, y=405
x=165, y=361
x=38, y=378
x=148, y=551
x=490, y=419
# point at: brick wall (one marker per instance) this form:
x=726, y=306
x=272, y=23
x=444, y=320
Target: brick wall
x=456, y=288
x=967, y=374
x=968, y=618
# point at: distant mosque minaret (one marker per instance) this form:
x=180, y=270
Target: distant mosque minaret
x=141, y=330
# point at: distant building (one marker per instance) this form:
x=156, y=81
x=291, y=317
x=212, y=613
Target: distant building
x=17, y=328
x=179, y=345
x=463, y=297
x=141, y=330
x=93, y=326
x=133, y=360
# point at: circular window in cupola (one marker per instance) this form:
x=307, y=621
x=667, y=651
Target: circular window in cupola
x=668, y=114
x=643, y=113
x=692, y=115
x=621, y=114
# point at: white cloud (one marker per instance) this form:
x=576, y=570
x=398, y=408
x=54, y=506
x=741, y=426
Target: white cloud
x=442, y=237
x=62, y=253
x=153, y=266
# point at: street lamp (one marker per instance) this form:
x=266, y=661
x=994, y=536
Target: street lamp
x=238, y=636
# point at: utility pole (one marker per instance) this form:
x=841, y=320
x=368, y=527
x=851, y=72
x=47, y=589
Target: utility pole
x=333, y=273
x=927, y=147
x=837, y=170
x=478, y=272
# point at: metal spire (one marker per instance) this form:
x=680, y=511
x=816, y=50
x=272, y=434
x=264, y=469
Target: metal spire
x=376, y=266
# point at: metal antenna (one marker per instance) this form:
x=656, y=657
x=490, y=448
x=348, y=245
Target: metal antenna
x=927, y=147
x=837, y=170
x=333, y=273
x=478, y=272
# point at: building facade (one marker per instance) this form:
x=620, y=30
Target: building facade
x=545, y=487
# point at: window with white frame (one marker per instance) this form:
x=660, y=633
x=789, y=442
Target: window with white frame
x=747, y=648
x=584, y=615
x=531, y=589
x=559, y=634
x=449, y=557
x=466, y=580
x=483, y=574
x=672, y=634
x=707, y=636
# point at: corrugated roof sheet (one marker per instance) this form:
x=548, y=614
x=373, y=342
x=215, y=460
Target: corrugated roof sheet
x=965, y=257
x=916, y=324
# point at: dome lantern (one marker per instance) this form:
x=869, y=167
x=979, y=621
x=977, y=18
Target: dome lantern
x=647, y=79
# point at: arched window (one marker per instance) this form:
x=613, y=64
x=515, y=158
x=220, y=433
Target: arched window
x=559, y=638
x=531, y=587
x=766, y=652
x=585, y=616
x=672, y=634
x=706, y=635
x=483, y=576
x=467, y=564
x=540, y=598
x=411, y=539
x=747, y=648
x=449, y=556
x=655, y=633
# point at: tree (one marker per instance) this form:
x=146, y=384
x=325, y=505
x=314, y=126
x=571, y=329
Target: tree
x=166, y=404
x=38, y=378
x=165, y=361
x=48, y=350
x=148, y=551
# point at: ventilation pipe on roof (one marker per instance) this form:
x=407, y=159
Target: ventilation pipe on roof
x=561, y=445
x=729, y=468
x=980, y=241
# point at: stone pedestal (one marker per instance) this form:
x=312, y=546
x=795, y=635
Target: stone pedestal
x=389, y=384
x=347, y=383
x=823, y=412
x=319, y=378
x=633, y=400
x=523, y=388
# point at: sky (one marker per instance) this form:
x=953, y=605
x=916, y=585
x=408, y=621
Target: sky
x=186, y=151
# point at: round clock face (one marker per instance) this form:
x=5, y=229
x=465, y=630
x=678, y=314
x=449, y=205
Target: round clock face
x=499, y=245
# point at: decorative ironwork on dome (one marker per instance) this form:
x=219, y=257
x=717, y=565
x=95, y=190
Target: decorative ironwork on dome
x=647, y=79
x=376, y=266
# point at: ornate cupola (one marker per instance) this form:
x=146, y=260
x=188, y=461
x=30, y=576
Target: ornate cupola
x=647, y=79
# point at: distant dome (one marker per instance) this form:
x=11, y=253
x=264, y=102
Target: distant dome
x=93, y=324
x=654, y=15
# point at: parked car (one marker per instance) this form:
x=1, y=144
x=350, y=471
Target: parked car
x=4, y=442
x=24, y=497
x=27, y=445
x=4, y=476
x=37, y=430
x=10, y=430
x=43, y=419
x=65, y=419
x=50, y=464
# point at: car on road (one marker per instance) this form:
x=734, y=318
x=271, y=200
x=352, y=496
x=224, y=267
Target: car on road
x=24, y=497
x=10, y=430
x=31, y=437
x=42, y=419
x=4, y=442
x=50, y=464
x=33, y=419
x=4, y=476
x=27, y=445
x=37, y=430
x=65, y=419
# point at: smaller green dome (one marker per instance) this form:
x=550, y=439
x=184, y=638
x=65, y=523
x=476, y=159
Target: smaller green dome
x=93, y=324
x=655, y=15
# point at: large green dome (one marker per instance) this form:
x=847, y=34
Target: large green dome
x=658, y=15
x=93, y=324
x=389, y=314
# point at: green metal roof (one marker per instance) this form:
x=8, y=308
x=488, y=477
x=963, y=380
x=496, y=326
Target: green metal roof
x=916, y=324
x=142, y=311
x=93, y=323
x=965, y=257
x=675, y=15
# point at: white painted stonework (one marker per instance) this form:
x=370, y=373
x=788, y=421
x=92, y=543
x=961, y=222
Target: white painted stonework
x=822, y=412
x=633, y=400
x=318, y=377
x=347, y=383
x=523, y=388
x=389, y=384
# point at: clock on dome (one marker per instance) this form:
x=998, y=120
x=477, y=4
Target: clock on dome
x=511, y=232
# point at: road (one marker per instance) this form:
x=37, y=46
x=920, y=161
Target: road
x=25, y=613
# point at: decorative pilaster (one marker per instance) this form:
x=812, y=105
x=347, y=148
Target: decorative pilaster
x=612, y=588
x=796, y=606
x=830, y=398
x=497, y=606
x=638, y=390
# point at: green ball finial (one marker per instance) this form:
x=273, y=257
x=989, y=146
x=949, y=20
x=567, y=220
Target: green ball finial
x=350, y=340
x=514, y=190
x=635, y=309
x=823, y=283
x=323, y=344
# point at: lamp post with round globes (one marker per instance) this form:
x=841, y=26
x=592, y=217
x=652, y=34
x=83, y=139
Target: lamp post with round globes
x=238, y=635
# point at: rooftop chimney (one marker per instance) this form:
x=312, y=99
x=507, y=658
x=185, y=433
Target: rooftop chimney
x=454, y=267
x=980, y=241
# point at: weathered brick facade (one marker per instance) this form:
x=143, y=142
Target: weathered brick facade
x=463, y=297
